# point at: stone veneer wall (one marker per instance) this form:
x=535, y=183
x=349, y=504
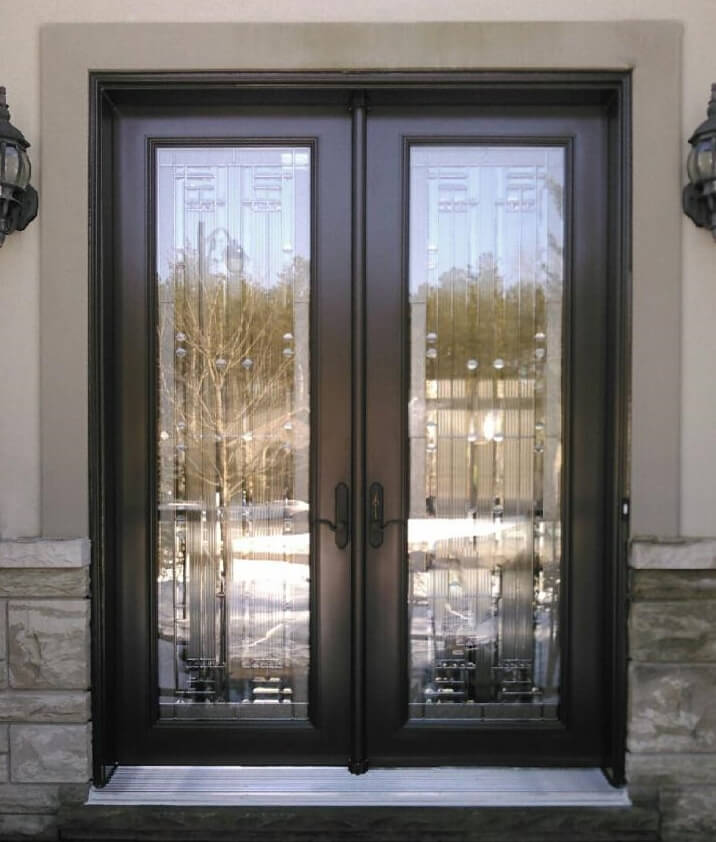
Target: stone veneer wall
x=45, y=700
x=672, y=684
x=44, y=683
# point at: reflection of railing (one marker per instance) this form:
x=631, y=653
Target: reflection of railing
x=482, y=611
x=245, y=591
x=423, y=533
x=473, y=634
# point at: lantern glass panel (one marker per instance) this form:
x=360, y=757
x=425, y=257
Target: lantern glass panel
x=692, y=165
x=11, y=165
x=23, y=176
x=705, y=161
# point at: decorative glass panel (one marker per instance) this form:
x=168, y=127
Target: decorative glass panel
x=485, y=420
x=233, y=431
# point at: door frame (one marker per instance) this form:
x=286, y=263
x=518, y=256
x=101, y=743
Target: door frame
x=110, y=91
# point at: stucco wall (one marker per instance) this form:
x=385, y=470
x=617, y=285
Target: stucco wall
x=20, y=257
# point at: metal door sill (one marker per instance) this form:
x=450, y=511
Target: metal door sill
x=331, y=786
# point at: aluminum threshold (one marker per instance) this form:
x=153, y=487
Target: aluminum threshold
x=330, y=786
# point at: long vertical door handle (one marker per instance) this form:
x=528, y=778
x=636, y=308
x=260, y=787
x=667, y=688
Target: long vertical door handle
x=343, y=515
x=375, y=515
x=341, y=528
x=376, y=520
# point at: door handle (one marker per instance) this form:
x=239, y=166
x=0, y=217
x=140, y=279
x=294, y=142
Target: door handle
x=376, y=524
x=341, y=528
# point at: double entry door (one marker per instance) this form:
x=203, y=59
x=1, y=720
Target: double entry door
x=360, y=391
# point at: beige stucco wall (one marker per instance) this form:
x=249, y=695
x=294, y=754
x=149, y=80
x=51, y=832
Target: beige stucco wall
x=20, y=257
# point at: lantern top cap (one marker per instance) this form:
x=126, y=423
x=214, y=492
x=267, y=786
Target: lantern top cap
x=7, y=130
x=712, y=103
x=708, y=127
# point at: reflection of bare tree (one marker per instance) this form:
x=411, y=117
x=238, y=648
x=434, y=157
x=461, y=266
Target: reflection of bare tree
x=233, y=419
x=231, y=384
x=477, y=315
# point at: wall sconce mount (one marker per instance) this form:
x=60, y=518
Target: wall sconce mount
x=18, y=199
x=699, y=196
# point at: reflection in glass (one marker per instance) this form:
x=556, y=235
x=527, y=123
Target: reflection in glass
x=233, y=251
x=484, y=531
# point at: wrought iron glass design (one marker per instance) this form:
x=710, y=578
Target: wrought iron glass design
x=233, y=431
x=485, y=425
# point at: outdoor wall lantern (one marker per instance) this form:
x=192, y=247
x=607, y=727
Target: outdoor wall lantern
x=18, y=199
x=699, y=197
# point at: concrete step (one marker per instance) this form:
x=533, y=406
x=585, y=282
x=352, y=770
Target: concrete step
x=363, y=824
x=328, y=804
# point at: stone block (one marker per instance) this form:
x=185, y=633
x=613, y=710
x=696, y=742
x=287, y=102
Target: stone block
x=49, y=753
x=649, y=585
x=4, y=771
x=40, y=798
x=673, y=631
x=4, y=739
x=29, y=798
x=24, y=826
x=688, y=813
x=35, y=582
x=674, y=553
x=3, y=643
x=672, y=708
x=44, y=552
x=44, y=706
x=654, y=772
x=48, y=644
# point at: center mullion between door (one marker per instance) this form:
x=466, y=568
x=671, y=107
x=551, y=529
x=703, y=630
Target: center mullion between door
x=357, y=763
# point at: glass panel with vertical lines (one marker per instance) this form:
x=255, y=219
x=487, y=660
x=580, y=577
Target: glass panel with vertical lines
x=486, y=236
x=233, y=431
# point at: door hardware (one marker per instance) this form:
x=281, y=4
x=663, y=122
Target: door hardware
x=342, y=526
x=376, y=524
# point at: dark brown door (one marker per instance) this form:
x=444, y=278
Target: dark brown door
x=360, y=383
x=233, y=395
x=486, y=399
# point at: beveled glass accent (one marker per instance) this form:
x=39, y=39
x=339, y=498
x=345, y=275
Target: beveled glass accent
x=233, y=431
x=486, y=235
